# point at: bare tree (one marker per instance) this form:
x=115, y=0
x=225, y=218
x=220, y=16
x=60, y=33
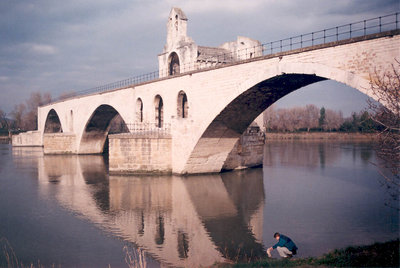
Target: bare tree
x=269, y=118
x=18, y=115
x=333, y=119
x=3, y=119
x=385, y=87
x=298, y=118
x=311, y=116
x=25, y=115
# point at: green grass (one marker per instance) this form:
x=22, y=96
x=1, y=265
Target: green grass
x=376, y=255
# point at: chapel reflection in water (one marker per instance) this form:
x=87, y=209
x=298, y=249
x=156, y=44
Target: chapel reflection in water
x=181, y=221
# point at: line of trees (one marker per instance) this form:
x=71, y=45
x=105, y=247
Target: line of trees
x=24, y=115
x=312, y=118
x=4, y=123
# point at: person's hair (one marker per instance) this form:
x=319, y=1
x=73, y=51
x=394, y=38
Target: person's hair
x=276, y=235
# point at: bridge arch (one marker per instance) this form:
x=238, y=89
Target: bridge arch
x=53, y=123
x=349, y=78
x=182, y=105
x=96, y=129
x=256, y=94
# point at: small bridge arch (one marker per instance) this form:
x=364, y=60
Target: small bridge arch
x=97, y=128
x=53, y=123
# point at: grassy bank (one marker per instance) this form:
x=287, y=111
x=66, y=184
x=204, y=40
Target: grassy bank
x=376, y=255
x=324, y=136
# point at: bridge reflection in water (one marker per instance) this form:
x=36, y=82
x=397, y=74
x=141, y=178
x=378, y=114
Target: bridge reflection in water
x=181, y=221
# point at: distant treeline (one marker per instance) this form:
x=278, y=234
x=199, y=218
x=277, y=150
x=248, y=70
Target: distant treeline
x=24, y=115
x=313, y=119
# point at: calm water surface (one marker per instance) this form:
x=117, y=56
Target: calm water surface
x=67, y=210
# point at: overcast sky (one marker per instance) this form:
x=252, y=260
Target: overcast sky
x=60, y=46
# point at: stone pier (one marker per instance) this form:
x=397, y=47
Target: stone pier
x=135, y=153
x=248, y=151
x=59, y=143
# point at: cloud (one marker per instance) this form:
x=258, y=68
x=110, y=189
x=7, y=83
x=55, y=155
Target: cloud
x=232, y=6
x=43, y=49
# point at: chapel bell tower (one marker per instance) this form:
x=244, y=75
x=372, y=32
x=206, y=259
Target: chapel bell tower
x=176, y=28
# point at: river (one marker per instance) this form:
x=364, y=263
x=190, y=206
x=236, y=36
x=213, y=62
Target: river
x=67, y=210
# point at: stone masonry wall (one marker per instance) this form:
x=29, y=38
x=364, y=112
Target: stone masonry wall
x=30, y=138
x=136, y=154
x=59, y=143
x=248, y=151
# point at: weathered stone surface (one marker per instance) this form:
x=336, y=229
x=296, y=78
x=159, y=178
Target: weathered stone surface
x=30, y=138
x=129, y=153
x=59, y=143
x=248, y=150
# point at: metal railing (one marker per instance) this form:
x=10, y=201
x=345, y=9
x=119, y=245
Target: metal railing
x=114, y=85
x=149, y=129
x=338, y=33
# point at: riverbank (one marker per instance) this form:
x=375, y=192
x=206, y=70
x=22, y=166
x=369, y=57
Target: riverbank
x=324, y=136
x=376, y=255
x=4, y=140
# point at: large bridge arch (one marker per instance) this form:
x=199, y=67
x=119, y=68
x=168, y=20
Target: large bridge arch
x=346, y=77
x=95, y=132
x=255, y=94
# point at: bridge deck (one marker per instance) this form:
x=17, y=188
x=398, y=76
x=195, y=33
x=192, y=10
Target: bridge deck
x=321, y=37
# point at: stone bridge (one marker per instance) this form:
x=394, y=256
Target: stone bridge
x=188, y=122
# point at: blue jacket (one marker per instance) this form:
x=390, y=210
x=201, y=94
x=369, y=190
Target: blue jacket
x=286, y=242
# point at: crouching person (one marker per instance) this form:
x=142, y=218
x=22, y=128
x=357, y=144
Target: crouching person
x=285, y=246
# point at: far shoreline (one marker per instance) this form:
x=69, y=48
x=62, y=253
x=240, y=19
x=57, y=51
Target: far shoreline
x=319, y=136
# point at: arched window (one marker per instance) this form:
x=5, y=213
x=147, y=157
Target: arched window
x=173, y=64
x=182, y=105
x=159, y=110
x=139, y=110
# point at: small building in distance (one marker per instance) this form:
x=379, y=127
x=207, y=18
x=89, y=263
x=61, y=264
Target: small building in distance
x=181, y=54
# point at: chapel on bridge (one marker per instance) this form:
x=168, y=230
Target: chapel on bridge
x=182, y=54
